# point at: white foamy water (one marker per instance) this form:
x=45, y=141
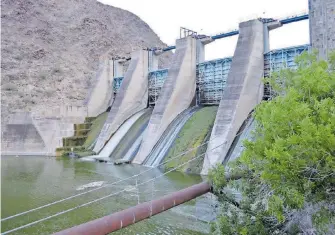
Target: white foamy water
x=90, y=185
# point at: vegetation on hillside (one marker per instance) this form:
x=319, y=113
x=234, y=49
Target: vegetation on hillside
x=192, y=135
x=285, y=178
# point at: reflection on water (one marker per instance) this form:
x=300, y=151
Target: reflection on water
x=29, y=182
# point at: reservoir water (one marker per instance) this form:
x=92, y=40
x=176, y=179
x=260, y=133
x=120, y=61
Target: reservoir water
x=28, y=182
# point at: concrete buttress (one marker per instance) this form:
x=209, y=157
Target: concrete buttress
x=131, y=98
x=102, y=91
x=243, y=92
x=177, y=94
x=322, y=30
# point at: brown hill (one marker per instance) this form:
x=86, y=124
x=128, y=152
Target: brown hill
x=50, y=49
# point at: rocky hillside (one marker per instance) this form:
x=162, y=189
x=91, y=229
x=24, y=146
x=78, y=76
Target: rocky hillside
x=50, y=49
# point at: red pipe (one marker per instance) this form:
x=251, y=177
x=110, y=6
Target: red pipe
x=121, y=219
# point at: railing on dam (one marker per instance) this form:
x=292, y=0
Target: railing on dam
x=278, y=59
x=156, y=80
x=211, y=80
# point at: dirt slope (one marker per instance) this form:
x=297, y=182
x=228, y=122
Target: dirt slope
x=50, y=49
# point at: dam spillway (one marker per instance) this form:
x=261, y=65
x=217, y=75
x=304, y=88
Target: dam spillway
x=186, y=82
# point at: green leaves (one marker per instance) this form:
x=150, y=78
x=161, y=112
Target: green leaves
x=291, y=162
x=217, y=177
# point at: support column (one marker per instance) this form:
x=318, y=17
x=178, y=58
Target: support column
x=102, y=90
x=117, y=68
x=154, y=59
x=201, y=48
x=243, y=92
x=176, y=95
x=266, y=38
x=131, y=98
x=322, y=30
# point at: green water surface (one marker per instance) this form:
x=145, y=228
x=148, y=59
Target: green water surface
x=29, y=182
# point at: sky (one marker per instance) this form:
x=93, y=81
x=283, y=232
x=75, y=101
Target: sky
x=211, y=17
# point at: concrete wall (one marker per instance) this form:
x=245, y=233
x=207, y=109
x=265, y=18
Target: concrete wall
x=56, y=123
x=71, y=113
x=52, y=130
x=322, y=26
x=21, y=137
x=243, y=91
x=177, y=94
x=41, y=131
x=102, y=90
x=131, y=98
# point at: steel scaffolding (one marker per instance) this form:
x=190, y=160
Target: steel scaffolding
x=156, y=80
x=276, y=60
x=211, y=80
x=212, y=75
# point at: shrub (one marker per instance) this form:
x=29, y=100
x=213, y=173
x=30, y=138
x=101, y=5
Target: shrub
x=289, y=166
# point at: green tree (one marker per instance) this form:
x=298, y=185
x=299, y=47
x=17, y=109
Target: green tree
x=289, y=167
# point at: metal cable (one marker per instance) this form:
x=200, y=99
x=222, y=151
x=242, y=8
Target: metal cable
x=104, y=197
x=95, y=189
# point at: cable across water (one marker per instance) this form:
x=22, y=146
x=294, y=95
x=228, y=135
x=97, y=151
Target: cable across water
x=104, y=197
x=95, y=189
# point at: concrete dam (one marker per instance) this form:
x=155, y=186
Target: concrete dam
x=149, y=108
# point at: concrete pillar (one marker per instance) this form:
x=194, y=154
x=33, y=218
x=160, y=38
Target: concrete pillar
x=200, y=52
x=201, y=48
x=131, y=98
x=176, y=95
x=102, y=90
x=117, y=66
x=266, y=38
x=243, y=92
x=154, y=59
x=322, y=30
